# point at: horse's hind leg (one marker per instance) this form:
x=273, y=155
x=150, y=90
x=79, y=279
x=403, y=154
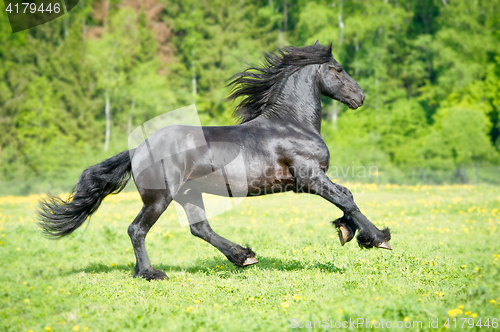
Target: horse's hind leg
x=192, y=202
x=155, y=203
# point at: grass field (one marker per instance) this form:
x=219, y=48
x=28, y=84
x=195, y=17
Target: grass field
x=445, y=265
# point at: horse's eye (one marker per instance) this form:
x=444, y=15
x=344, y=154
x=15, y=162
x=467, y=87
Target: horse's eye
x=337, y=68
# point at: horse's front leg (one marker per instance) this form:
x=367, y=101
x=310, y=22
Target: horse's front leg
x=192, y=202
x=369, y=236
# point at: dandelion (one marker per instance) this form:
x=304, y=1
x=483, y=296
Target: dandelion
x=468, y=312
x=26, y=300
x=454, y=312
x=285, y=305
x=460, y=307
x=493, y=301
x=85, y=328
x=473, y=315
x=216, y=305
x=464, y=266
x=406, y=319
x=76, y=328
x=189, y=309
x=377, y=298
x=295, y=297
x=47, y=328
x=340, y=310
x=197, y=301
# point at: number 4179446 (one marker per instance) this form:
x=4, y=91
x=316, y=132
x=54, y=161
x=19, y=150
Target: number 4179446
x=471, y=323
x=32, y=8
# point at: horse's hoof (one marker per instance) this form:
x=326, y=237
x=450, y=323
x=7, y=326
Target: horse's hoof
x=346, y=229
x=384, y=245
x=345, y=235
x=242, y=257
x=153, y=275
x=250, y=261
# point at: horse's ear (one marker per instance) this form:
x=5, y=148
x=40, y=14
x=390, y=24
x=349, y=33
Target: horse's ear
x=316, y=43
x=330, y=47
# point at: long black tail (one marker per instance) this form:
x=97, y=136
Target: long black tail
x=59, y=218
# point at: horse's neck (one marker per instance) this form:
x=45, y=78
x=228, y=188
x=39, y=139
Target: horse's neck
x=299, y=102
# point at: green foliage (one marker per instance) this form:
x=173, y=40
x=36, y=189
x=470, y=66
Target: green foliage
x=430, y=70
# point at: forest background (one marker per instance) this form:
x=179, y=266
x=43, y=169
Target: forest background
x=71, y=90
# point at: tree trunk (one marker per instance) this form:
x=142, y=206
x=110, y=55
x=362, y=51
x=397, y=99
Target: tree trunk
x=130, y=114
x=477, y=173
x=40, y=109
x=334, y=114
x=193, y=77
x=341, y=25
x=108, y=122
x=285, y=16
x=84, y=24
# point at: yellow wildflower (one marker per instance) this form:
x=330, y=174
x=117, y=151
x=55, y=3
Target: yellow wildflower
x=454, y=312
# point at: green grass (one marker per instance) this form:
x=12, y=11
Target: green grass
x=446, y=255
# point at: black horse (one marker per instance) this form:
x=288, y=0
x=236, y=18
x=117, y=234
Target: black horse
x=279, y=132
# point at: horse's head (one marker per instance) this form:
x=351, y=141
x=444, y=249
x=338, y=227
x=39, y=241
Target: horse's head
x=336, y=83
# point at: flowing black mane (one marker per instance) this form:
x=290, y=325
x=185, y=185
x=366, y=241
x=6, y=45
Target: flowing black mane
x=261, y=85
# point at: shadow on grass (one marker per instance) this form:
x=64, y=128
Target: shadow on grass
x=217, y=266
